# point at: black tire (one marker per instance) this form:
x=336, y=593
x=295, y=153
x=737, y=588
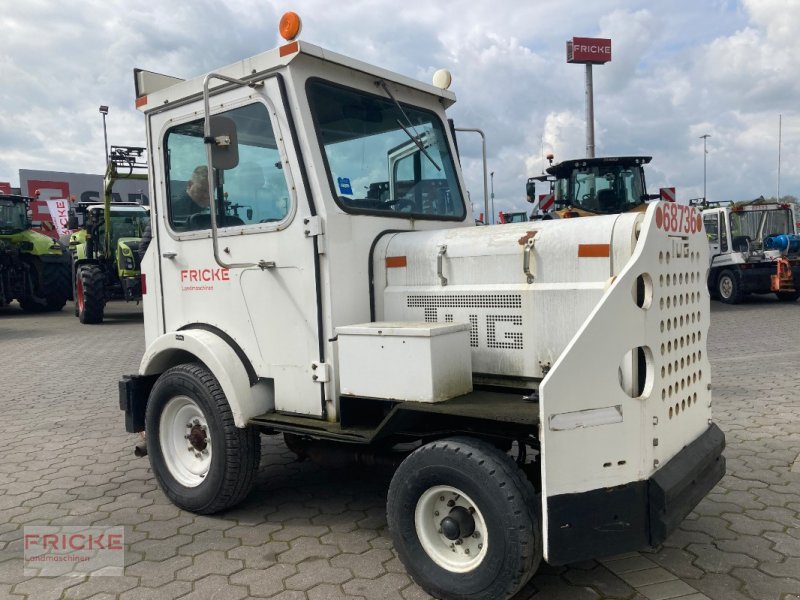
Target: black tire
x=90, y=294
x=56, y=283
x=728, y=288
x=788, y=296
x=235, y=452
x=52, y=286
x=504, y=502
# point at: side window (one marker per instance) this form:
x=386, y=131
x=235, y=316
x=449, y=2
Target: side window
x=723, y=235
x=711, y=223
x=255, y=191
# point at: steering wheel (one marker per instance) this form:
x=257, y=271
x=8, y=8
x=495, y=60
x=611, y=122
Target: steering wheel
x=401, y=204
x=404, y=205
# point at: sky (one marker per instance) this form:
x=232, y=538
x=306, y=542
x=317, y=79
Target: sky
x=680, y=69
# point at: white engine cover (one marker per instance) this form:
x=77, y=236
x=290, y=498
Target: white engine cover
x=477, y=276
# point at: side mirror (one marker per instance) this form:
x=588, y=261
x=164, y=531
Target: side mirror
x=224, y=143
x=530, y=190
x=249, y=214
x=72, y=222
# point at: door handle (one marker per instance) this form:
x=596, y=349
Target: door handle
x=169, y=255
x=440, y=265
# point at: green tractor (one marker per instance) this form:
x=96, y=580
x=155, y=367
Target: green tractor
x=34, y=269
x=105, y=261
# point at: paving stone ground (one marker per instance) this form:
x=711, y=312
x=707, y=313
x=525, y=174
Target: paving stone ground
x=308, y=533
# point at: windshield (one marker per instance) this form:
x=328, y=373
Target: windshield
x=385, y=158
x=128, y=223
x=758, y=224
x=603, y=189
x=13, y=215
x=124, y=224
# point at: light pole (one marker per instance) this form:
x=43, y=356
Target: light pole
x=492, y=196
x=483, y=150
x=704, y=137
x=104, y=112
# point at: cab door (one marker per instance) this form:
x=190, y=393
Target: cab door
x=259, y=292
x=711, y=222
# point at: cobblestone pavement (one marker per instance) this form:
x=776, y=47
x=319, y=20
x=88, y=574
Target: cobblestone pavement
x=311, y=533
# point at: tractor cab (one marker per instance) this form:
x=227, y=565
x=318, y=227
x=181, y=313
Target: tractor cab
x=13, y=214
x=597, y=186
x=513, y=217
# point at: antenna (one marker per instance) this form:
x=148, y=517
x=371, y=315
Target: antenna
x=541, y=147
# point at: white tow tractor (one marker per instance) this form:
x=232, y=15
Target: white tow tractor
x=754, y=248
x=543, y=388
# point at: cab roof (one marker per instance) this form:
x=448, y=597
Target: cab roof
x=16, y=198
x=155, y=91
x=564, y=168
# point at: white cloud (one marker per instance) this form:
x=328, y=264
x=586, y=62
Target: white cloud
x=679, y=70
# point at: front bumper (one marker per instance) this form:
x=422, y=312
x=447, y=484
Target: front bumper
x=636, y=515
x=132, y=288
x=756, y=277
x=133, y=393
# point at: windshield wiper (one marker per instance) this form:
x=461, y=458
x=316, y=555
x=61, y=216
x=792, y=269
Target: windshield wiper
x=414, y=137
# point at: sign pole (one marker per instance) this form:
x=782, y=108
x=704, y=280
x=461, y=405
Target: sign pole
x=589, y=51
x=589, y=112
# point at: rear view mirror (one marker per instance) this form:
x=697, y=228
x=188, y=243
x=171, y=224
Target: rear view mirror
x=530, y=190
x=224, y=143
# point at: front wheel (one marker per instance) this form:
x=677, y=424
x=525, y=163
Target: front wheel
x=728, y=288
x=463, y=520
x=90, y=290
x=202, y=461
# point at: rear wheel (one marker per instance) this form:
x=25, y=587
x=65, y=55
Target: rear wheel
x=202, y=461
x=463, y=520
x=56, y=284
x=52, y=287
x=728, y=288
x=90, y=294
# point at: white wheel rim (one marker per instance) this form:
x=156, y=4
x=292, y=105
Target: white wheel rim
x=726, y=287
x=458, y=556
x=185, y=441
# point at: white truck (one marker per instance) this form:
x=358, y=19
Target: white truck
x=754, y=248
x=543, y=388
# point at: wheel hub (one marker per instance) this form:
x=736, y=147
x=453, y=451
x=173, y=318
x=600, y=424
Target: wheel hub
x=726, y=287
x=185, y=441
x=197, y=436
x=451, y=529
x=459, y=523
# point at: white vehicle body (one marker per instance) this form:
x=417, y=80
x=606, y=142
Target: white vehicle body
x=744, y=255
x=584, y=339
